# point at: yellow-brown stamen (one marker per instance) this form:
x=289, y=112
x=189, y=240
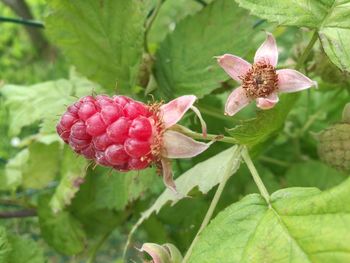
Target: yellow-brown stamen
x=260, y=81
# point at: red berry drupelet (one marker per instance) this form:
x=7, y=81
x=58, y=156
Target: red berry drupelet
x=125, y=134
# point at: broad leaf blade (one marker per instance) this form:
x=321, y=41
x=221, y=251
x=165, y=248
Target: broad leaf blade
x=43, y=102
x=185, y=63
x=102, y=38
x=73, y=171
x=302, y=225
x=62, y=231
x=204, y=175
x=330, y=17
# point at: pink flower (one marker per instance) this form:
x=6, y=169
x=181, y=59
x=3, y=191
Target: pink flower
x=175, y=144
x=261, y=81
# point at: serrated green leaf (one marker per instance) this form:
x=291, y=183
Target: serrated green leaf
x=42, y=102
x=301, y=225
x=330, y=17
x=24, y=250
x=102, y=38
x=258, y=130
x=73, y=171
x=204, y=175
x=185, y=63
x=313, y=174
x=62, y=230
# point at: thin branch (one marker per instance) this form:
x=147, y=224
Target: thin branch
x=18, y=214
x=22, y=21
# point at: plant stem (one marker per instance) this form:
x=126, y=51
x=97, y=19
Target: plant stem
x=22, y=21
x=92, y=256
x=18, y=214
x=150, y=23
x=211, y=111
x=199, y=136
x=213, y=204
x=274, y=161
x=307, y=51
x=256, y=177
x=202, y=2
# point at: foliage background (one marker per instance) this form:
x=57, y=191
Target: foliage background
x=99, y=47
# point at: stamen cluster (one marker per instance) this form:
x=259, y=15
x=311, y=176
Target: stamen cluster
x=260, y=81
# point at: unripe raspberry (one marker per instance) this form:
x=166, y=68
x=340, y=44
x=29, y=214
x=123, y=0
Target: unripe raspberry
x=334, y=146
x=126, y=135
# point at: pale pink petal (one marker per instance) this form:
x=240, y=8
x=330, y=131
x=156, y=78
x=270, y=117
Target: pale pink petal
x=168, y=175
x=157, y=252
x=268, y=102
x=174, y=110
x=290, y=80
x=267, y=51
x=203, y=124
x=237, y=100
x=234, y=66
x=178, y=145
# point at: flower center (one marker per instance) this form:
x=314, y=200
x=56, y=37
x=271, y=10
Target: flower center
x=260, y=81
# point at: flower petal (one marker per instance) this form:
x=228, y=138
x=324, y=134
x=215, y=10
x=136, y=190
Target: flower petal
x=178, y=145
x=168, y=175
x=203, y=124
x=267, y=51
x=237, y=100
x=158, y=253
x=268, y=102
x=234, y=66
x=173, y=111
x=290, y=80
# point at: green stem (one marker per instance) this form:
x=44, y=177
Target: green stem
x=92, y=256
x=150, y=23
x=213, y=203
x=274, y=161
x=256, y=177
x=22, y=21
x=199, y=136
x=211, y=111
x=307, y=51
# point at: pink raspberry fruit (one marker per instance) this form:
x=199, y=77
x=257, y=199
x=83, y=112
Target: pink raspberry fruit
x=117, y=132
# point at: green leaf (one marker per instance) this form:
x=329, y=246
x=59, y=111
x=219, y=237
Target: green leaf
x=34, y=167
x=62, y=230
x=117, y=190
x=42, y=102
x=185, y=63
x=330, y=17
x=14, y=171
x=102, y=38
x=336, y=43
x=41, y=166
x=204, y=175
x=16, y=249
x=25, y=250
x=73, y=171
x=5, y=247
x=313, y=174
x=267, y=123
x=301, y=225
x=169, y=15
